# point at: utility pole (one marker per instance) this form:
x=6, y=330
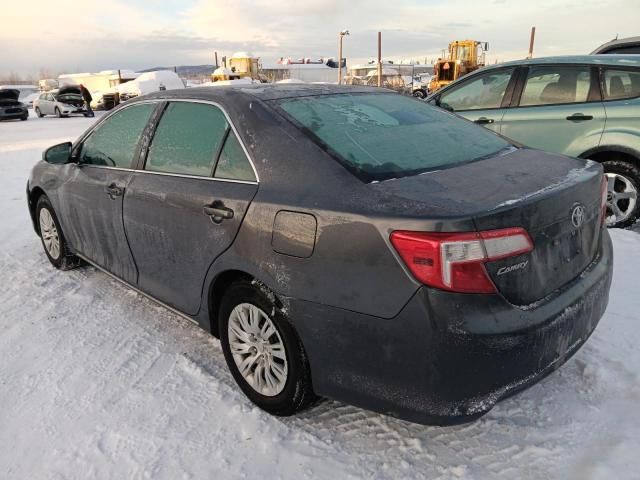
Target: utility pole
x=216, y=55
x=341, y=36
x=379, y=59
x=531, y=41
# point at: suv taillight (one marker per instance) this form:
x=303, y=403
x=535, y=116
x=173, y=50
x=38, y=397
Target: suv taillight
x=455, y=261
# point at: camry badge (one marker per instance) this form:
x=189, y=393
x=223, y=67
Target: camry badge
x=577, y=216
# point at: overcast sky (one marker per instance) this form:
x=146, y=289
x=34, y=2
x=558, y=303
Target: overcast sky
x=88, y=35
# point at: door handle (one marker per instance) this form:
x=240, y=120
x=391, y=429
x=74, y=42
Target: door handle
x=578, y=117
x=114, y=191
x=218, y=212
x=484, y=120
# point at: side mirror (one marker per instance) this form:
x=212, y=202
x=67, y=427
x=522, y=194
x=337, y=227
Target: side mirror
x=58, y=154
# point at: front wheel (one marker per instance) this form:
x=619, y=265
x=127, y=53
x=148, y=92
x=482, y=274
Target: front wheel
x=52, y=237
x=263, y=351
x=420, y=94
x=623, y=184
x=58, y=112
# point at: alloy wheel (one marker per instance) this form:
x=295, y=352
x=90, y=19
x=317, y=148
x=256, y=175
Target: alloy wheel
x=257, y=349
x=49, y=233
x=622, y=197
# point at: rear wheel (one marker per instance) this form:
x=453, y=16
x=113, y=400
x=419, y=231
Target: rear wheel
x=263, y=351
x=39, y=113
x=623, y=185
x=52, y=237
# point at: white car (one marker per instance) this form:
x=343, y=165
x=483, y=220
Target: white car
x=62, y=102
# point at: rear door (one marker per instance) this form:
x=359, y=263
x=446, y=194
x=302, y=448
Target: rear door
x=92, y=197
x=482, y=98
x=185, y=206
x=44, y=103
x=557, y=108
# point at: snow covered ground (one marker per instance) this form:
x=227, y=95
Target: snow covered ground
x=97, y=382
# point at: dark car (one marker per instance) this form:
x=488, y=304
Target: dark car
x=619, y=46
x=346, y=242
x=10, y=107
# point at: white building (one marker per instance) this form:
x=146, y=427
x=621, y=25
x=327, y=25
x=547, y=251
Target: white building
x=307, y=72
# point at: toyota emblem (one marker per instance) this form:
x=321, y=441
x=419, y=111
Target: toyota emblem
x=577, y=216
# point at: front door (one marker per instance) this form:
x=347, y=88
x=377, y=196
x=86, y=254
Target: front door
x=185, y=208
x=559, y=110
x=481, y=98
x=93, y=196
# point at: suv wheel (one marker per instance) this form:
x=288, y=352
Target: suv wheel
x=263, y=351
x=52, y=238
x=623, y=180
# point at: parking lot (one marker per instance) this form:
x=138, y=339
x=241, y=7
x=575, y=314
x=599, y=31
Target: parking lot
x=99, y=382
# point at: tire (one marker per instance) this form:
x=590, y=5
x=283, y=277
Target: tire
x=49, y=229
x=289, y=396
x=58, y=112
x=39, y=113
x=420, y=94
x=623, y=181
x=25, y=117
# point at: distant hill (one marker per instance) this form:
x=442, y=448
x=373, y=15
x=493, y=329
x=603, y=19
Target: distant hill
x=185, y=70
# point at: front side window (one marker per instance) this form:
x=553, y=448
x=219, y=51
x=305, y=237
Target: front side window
x=382, y=136
x=486, y=91
x=619, y=84
x=187, y=139
x=233, y=164
x=556, y=85
x=114, y=142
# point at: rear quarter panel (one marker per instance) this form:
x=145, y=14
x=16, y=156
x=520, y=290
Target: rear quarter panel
x=622, y=126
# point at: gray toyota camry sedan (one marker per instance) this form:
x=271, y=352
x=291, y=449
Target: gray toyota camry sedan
x=343, y=242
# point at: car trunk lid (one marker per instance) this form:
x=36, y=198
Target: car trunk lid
x=539, y=192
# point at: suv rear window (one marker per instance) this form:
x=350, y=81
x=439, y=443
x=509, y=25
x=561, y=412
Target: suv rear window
x=383, y=136
x=619, y=84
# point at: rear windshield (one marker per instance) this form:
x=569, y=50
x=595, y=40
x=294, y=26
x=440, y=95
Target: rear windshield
x=383, y=136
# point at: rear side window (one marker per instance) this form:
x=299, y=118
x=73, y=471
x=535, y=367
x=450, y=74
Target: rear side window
x=187, y=139
x=114, y=142
x=619, y=84
x=486, y=91
x=555, y=85
x=233, y=164
x=382, y=136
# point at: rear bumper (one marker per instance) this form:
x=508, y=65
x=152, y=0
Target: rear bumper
x=448, y=358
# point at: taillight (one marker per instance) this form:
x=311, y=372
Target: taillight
x=604, y=193
x=455, y=261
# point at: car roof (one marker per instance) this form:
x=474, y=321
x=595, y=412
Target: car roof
x=615, y=60
x=262, y=91
x=617, y=43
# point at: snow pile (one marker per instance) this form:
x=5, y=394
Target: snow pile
x=97, y=382
x=151, y=82
x=221, y=83
x=290, y=80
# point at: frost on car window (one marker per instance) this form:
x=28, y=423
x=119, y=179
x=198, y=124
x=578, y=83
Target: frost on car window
x=187, y=139
x=381, y=136
x=233, y=163
x=114, y=142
